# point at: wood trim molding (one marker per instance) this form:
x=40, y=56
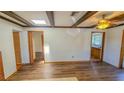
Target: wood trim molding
x=17, y=50
x=122, y=52
x=84, y=17
x=1, y=68
x=118, y=18
x=116, y=25
x=103, y=46
x=15, y=16
x=92, y=26
x=42, y=39
x=30, y=45
x=50, y=15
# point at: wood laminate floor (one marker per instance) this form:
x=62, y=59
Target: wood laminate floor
x=83, y=71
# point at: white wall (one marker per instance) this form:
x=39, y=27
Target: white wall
x=37, y=41
x=7, y=47
x=24, y=47
x=113, y=45
x=63, y=43
x=63, y=46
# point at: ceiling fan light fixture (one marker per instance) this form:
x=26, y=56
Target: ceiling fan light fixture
x=103, y=24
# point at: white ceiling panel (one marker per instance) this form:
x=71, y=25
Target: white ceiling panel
x=63, y=18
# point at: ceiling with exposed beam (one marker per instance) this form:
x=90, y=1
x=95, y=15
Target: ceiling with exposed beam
x=62, y=19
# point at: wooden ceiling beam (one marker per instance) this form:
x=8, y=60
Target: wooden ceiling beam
x=50, y=15
x=15, y=16
x=84, y=17
x=116, y=25
x=61, y=26
x=4, y=18
x=118, y=18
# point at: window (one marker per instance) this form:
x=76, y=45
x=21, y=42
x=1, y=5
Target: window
x=97, y=40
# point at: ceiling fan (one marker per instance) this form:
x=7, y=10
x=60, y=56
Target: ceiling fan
x=105, y=23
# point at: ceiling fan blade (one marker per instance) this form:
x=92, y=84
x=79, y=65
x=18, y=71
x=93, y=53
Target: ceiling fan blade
x=117, y=18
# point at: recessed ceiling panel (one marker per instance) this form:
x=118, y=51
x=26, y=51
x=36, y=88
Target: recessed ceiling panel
x=34, y=15
x=64, y=18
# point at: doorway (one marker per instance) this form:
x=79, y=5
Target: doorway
x=36, y=46
x=97, y=46
x=17, y=48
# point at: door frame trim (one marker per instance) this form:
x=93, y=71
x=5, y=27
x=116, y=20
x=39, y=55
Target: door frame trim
x=30, y=40
x=15, y=51
x=42, y=39
x=121, y=52
x=3, y=76
x=32, y=45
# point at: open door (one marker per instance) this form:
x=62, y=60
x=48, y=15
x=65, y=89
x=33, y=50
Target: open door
x=1, y=68
x=121, y=63
x=97, y=46
x=30, y=45
x=16, y=39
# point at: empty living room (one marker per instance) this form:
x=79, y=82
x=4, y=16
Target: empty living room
x=62, y=46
